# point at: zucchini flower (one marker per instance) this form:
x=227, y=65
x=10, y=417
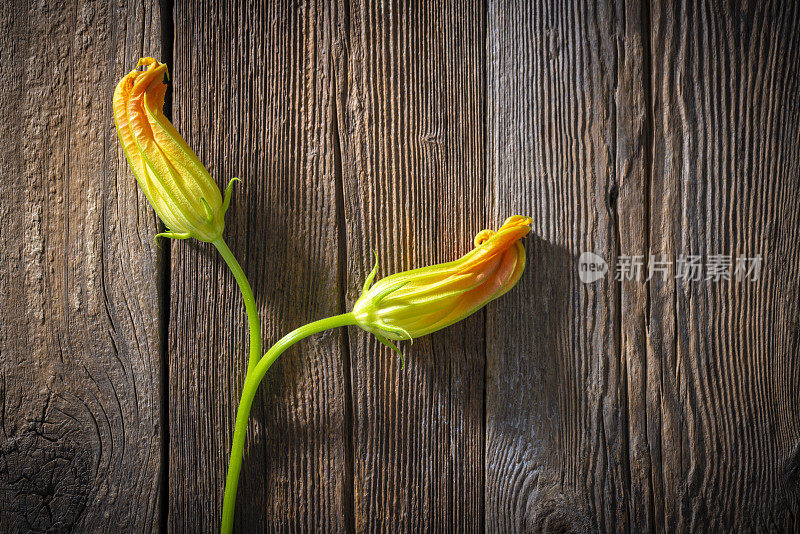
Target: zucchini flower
x=415, y=303
x=171, y=175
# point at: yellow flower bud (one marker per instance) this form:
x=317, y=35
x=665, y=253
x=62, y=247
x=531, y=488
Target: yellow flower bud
x=176, y=183
x=415, y=303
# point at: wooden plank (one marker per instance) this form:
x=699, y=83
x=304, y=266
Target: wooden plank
x=658, y=405
x=411, y=133
x=566, y=116
x=254, y=95
x=80, y=344
x=725, y=356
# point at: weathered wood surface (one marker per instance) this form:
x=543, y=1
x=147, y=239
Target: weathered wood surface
x=80, y=341
x=622, y=128
x=412, y=135
x=566, y=134
x=721, y=380
x=658, y=406
x=254, y=94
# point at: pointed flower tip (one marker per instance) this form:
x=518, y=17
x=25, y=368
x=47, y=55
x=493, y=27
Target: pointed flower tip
x=414, y=303
x=151, y=63
x=518, y=224
x=521, y=220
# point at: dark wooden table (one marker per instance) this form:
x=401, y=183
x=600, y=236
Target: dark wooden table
x=661, y=129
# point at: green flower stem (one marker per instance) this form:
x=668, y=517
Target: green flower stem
x=249, y=302
x=251, y=382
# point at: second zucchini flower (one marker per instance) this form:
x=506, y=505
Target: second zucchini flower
x=176, y=183
x=415, y=303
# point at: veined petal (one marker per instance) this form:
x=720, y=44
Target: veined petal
x=126, y=137
x=176, y=183
x=143, y=134
x=476, y=298
x=175, y=150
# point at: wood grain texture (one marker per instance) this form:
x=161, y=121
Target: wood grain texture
x=724, y=358
x=557, y=438
x=645, y=406
x=80, y=344
x=411, y=133
x=622, y=128
x=254, y=95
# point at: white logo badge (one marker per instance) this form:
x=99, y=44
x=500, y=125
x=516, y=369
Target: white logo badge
x=591, y=267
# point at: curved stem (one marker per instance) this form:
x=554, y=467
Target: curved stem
x=251, y=383
x=249, y=302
